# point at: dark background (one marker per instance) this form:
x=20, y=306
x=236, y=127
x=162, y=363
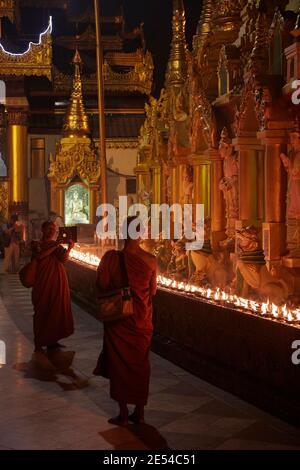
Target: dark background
x=157, y=18
x=155, y=14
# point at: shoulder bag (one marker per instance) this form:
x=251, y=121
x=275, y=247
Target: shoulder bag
x=117, y=304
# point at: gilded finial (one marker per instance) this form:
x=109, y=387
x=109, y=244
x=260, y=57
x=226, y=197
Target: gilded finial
x=205, y=24
x=177, y=65
x=76, y=119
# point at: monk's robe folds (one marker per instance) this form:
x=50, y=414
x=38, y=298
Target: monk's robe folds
x=125, y=356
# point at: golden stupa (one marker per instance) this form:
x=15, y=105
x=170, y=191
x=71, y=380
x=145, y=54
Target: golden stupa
x=75, y=169
x=76, y=119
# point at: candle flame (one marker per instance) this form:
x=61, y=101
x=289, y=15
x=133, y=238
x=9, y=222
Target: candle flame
x=264, y=308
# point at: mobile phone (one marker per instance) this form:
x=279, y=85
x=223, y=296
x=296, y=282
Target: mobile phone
x=67, y=233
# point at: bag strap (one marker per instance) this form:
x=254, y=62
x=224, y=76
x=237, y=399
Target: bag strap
x=124, y=273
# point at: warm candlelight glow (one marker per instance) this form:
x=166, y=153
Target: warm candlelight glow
x=217, y=296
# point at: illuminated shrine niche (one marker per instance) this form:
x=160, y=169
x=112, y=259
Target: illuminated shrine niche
x=77, y=205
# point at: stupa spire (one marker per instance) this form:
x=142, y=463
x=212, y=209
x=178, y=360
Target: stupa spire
x=177, y=65
x=76, y=119
x=205, y=24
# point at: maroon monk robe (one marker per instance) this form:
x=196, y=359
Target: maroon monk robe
x=126, y=345
x=53, y=319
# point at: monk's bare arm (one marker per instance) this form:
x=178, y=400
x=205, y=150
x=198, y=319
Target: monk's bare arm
x=62, y=254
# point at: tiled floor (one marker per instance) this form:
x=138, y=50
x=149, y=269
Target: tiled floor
x=60, y=405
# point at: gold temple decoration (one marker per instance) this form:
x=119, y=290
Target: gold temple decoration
x=76, y=120
x=138, y=79
x=227, y=14
x=4, y=198
x=239, y=174
x=76, y=158
x=177, y=65
x=36, y=61
x=204, y=27
x=7, y=9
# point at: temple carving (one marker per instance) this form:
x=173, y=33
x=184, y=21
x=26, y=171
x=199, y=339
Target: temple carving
x=225, y=134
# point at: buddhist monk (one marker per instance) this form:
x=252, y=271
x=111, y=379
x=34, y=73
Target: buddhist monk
x=52, y=318
x=125, y=356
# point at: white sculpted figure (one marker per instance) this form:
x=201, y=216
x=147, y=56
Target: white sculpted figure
x=77, y=214
x=188, y=187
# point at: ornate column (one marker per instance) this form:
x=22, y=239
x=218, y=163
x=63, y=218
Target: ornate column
x=174, y=184
x=202, y=182
x=217, y=200
x=17, y=155
x=156, y=183
x=248, y=148
x=181, y=173
x=275, y=184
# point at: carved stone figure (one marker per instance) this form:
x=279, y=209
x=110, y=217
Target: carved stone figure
x=196, y=127
x=178, y=267
x=179, y=111
x=206, y=268
x=179, y=142
x=188, y=188
x=292, y=165
x=229, y=183
x=163, y=252
x=252, y=272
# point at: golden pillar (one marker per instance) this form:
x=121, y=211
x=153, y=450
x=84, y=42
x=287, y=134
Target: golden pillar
x=156, y=183
x=165, y=175
x=249, y=148
x=181, y=175
x=18, y=160
x=275, y=182
x=218, y=221
x=101, y=103
x=174, y=185
x=202, y=182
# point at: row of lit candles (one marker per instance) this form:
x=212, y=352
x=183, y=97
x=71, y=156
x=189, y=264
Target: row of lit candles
x=264, y=309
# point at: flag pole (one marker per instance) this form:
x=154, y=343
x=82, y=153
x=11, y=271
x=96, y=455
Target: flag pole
x=101, y=104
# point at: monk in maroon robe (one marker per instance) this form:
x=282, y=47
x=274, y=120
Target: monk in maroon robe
x=126, y=346
x=53, y=319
